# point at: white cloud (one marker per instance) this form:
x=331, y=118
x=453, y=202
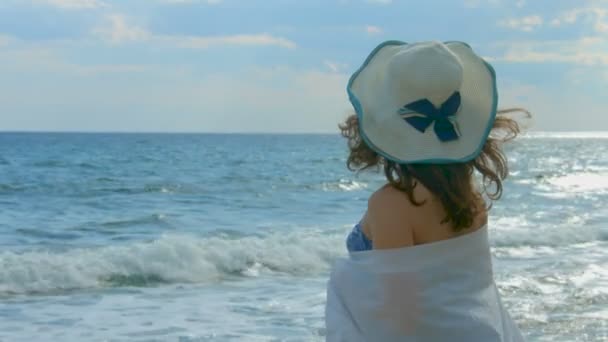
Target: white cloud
x=494, y=3
x=585, y=51
x=168, y=98
x=542, y=57
x=182, y=2
x=479, y=3
x=119, y=31
x=182, y=98
x=596, y=16
x=204, y=42
x=279, y=99
x=73, y=4
x=373, y=2
x=116, y=30
x=47, y=61
x=580, y=75
x=335, y=66
x=551, y=111
x=527, y=24
x=5, y=40
x=371, y=29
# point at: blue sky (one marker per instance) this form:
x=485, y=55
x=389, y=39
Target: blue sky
x=278, y=65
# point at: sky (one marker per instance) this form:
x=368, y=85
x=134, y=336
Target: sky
x=278, y=65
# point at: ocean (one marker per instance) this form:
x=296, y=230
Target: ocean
x=213, y=237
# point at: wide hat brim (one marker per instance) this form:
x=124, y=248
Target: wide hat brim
x=392, y=137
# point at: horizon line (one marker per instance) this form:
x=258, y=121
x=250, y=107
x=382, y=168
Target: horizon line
x=529, y=132
x=161, y=132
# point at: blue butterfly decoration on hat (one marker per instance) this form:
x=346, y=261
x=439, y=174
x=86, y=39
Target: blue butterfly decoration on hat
x=421, y=114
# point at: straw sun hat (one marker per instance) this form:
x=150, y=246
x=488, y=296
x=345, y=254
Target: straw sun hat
x=427, y=102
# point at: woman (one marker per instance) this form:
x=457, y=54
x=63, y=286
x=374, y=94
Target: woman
x=419, y=265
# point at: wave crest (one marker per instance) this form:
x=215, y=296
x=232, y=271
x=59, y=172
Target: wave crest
x=168, y=259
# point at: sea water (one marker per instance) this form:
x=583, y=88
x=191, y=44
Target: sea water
x=210, y=237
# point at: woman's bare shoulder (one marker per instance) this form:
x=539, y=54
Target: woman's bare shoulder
x=393, y=201
x=387, y=212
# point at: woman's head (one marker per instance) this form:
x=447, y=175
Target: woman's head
x=426, y=102
x=452, y=183
x=427, y=112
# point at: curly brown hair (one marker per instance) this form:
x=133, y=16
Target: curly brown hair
x=451, y=183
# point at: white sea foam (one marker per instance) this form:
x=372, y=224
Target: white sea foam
x=581, y=182
x=344, y=185
x=257, y=310
x=567, y=135
x=168, y=259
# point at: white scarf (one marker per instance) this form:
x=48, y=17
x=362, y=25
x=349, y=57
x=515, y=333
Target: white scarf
x=441, y=291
